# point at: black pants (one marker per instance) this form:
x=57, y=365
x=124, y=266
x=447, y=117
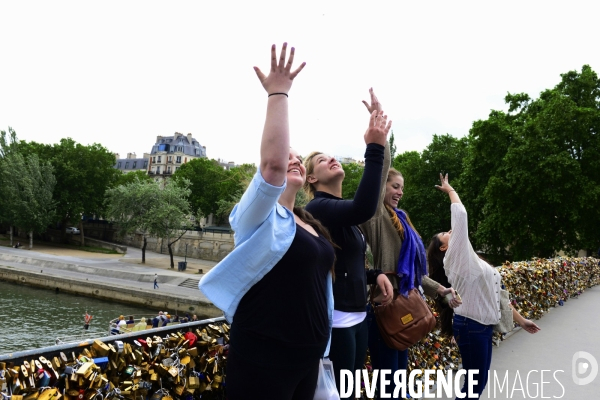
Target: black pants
x=348, y=349
x=254, y=379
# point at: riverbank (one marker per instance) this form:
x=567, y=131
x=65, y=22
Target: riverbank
x=114, y=277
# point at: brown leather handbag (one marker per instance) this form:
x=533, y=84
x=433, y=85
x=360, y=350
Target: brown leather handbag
x=404, y=321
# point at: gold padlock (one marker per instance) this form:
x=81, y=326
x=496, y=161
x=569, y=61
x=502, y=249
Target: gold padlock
x=217, y=381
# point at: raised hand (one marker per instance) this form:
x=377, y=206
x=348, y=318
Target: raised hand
x=379, y=127
x=375, y=104
x=445, y=186
x=281, y=76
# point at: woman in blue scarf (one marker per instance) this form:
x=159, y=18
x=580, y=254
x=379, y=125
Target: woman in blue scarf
x=396, y=247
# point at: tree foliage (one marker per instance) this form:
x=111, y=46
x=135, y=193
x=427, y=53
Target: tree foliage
x=83, y=174
x=428, y=209
x=214, y=189
x=27, y=187
x=123, y=178
x=353, y=175
x=534, y=171
x=146, y=208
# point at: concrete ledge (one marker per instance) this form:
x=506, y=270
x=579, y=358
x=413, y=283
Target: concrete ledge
x=61, y=265
x=112, y=292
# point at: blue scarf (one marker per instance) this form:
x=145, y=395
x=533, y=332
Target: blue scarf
x=412, y=262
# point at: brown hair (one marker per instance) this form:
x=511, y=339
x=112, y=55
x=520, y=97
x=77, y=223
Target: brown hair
x=307, y=218
x=392, y=172
x=435, y=258
x=309, y=188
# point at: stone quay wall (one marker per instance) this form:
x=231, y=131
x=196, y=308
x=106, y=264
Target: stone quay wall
x=213, y=246
x=126, y=295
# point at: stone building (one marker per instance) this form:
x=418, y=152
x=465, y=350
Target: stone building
x=170, y=152
x=131, y=163
x=166, y=156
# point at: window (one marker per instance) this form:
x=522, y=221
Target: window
x=134, y=165
x=159, y=159
x=153, y=160
x=178, y=160
x=168, y=170
x=170, y=158
x=119, y=165
x=127, y=165
x=158, y=170
x=146, y=164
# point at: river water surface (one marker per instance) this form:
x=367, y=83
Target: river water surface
x=32, y=317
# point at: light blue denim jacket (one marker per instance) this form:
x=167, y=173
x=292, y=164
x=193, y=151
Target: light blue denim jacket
x=264, y=230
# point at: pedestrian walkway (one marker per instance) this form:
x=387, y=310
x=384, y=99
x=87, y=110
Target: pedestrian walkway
x=519, y=362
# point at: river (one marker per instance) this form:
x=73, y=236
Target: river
x=33, y=317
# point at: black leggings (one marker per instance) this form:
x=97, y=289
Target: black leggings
x=251, y=379
x=348, y=348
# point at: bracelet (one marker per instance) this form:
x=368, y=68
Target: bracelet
x=273, y=94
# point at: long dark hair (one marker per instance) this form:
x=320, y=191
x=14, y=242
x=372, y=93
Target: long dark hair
x=435, y=258
x=307, y=218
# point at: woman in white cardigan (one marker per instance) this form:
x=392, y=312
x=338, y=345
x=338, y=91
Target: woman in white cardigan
x=451, y=257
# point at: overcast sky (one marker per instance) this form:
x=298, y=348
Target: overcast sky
x=122, y=73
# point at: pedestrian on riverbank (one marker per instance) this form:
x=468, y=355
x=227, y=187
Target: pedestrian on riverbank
x=451, y=257
x=155, y=281
x=276, y=285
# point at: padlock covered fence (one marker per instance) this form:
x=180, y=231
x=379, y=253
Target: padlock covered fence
x=188, y=360
x=535, y=287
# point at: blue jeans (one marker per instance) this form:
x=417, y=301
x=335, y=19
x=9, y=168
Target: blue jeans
x=475, y=343
x=383, y=357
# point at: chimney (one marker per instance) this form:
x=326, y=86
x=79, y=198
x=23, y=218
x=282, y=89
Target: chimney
x=189, y=136
x=158, y=138
x=131, y=156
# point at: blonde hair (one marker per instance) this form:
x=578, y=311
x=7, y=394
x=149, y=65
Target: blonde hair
x=392, y=172
x=309, y=188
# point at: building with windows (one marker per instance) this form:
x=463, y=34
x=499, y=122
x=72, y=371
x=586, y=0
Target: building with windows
x=170, y=152
x=166, y=156
x=131, y=163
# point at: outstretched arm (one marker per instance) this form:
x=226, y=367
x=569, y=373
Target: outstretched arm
x=375, y=105
x=275, y=144
x=524, y=323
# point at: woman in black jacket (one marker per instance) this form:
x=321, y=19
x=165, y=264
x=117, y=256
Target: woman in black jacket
x=324, y=177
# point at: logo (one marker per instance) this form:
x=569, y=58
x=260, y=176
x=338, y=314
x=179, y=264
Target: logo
x=584, y=364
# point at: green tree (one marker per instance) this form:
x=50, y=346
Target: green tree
x=392, y=145
x=206, y=179
x=123, y=178
x=428, y=210
x=28, y=187
x=83, y=174
x=543, y=195
x=8, y=145
x=131, y=207
x=353, y=175
x=170, y=215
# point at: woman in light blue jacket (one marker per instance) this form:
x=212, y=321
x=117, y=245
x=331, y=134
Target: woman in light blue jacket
x=275, y=286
